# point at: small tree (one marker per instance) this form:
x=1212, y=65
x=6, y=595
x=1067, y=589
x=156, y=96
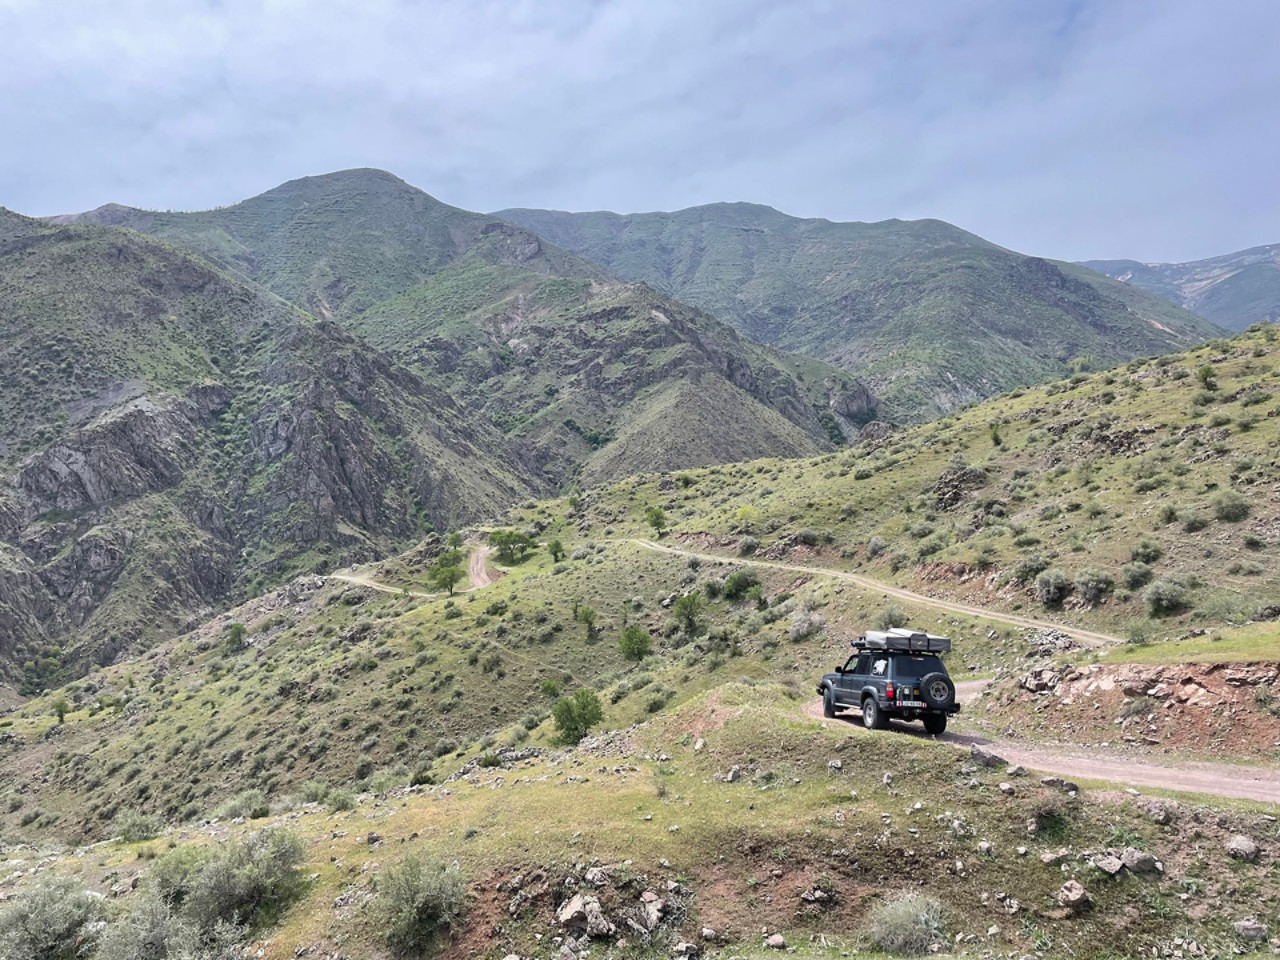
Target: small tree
x=235, y=636
x=575, y=715
x=512, y=545
x=60, y=708
x=655, y=518
x=1230, y=506
x=687, y=610
x=454, y=540
x=634, y=643
x=556, y=549
x=587, y=617
x=446, y=578
x=1207, y=378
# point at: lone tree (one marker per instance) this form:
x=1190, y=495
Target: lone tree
x=687, y=610
x=454, y=540
x=655, y=518
x=556, y=549
x=447, y=577
x=634, y=643
x=512, y=545
x=587, y=617
x=575, y=715
x=60, y=708
x=235, y=637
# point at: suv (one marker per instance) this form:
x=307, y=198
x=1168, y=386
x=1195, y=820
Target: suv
x=893, y=673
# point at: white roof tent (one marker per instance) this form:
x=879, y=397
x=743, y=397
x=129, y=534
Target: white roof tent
x=911, y=641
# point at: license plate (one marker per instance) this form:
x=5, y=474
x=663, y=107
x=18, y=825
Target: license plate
x=911, y=703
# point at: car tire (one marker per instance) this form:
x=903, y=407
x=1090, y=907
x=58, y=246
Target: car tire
x=935, y=724
x=828, y=703
x=938, y=690
x=873, y=718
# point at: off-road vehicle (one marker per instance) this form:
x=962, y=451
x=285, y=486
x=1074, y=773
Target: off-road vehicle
x=893, y=673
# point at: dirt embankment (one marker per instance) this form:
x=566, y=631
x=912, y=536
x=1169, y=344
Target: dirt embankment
x=1230, y=709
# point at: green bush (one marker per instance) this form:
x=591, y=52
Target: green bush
x=575, y=715
x=418, y=901
x=738, y=583
x=634, y=644
x=1135, y=575
x=1230, y=507
x=153, y=929
x=1193, y=522
x=1092, y=585
x=748, y=546
x=1146, y=551
x=1165, y=596
x=906, y=925
x=1027, y=568
x=1052, y=587
x=249, y=804
x=134, y=825
x=875, y=547
x=890, y=617
x=50, y=921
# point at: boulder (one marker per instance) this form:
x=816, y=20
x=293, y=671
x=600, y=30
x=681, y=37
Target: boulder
x=1250, y=930
x=1108, y=864
x=1073, y=895
x=776, y=942
x=1140, y=862
x=986, y=758
x=1241, y=847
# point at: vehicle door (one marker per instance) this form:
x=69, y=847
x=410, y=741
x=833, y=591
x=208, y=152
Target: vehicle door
x=851, y=681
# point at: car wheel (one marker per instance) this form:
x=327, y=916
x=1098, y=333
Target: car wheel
x=938, y=690
x=873, y=717
x=935, y=723
x=828, y=703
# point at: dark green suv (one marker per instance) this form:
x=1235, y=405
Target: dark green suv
x=893, y=673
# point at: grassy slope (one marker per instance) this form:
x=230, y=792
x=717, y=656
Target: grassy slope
x=934, y=316
x=1085, y=469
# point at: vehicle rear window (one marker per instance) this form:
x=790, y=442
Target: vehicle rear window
x=914, y=668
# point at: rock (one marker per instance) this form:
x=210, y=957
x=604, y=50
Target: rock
x=699, y=745
x=1017, y=770
x=986, y=758
x=650, y=914
x=1108, y=864
x=776, y=942
x=835, y=766
x=708, y=933
x=684, y=949
x=734, y=774
x=1159, y=811
x=1007, y=789
x=596, y=876
x=1250, y=930
x=985, y=848
x=887, y=779
x=373, y=838
x=1241, y=847
x=1139, y=862
x=1073, y=895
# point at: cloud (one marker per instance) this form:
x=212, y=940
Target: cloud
x=1074, y=129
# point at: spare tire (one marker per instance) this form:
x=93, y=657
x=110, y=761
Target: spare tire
x=937, y=690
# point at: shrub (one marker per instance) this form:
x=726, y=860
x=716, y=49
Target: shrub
x=634, y=643
x=155, y=929
x=250, y=804
x=419, y=900
x=687, y=610
x=1230, y=507
x=1193, y=522
x=340, y=798
x=134, y=825
x=1135, y=575
x=748, y=546
x=1027, y=568
x=738, y=583
x=1052, y=587
x=908, y=924
x=875, y=547
x=890, y=617
x=1165, y=596
x=1147, y=551
x=51, y=921
x=575, y=715
x=805, y=623
x=1093, y=585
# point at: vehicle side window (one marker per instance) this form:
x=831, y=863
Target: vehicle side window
x=849, y=664
x=863, y=664
x=880, y=667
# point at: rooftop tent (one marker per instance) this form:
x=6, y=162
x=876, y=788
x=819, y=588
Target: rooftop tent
x=899, y=639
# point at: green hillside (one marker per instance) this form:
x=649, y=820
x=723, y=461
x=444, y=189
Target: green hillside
x=932, y=316
x=174, y=439
x=1234, y=291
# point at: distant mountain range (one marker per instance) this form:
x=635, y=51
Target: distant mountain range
x=1235, y=291
x=931, y=316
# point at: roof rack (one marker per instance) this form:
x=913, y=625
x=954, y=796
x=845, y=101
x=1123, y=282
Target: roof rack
x=912, y=641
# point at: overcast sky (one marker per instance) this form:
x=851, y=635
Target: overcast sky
x=1099, y=128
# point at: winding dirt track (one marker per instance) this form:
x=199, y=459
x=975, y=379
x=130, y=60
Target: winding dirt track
x=478, y=568
x=478, y=572
x=1216, y=779
x=1086, y=637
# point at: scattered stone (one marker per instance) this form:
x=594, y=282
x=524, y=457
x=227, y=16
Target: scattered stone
x=985, y=848
x=1108, y=864
x=1140, y=862
x=887, y=779
x=776, y=942
x=1241, y=847
x=699, y=745
x=835, y=766
x=685, y=949
x=735, y=772
x=1073, y=895
x=1250, y=930
x=1007, y=789
x=986, y=758
x=373, y=838
x=1017, y=770
x=708, y=934
x=596, y=876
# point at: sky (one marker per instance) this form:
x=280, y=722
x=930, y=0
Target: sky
x=1147, y=129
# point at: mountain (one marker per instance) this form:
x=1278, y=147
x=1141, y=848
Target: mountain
x=174, y=438
x=554, y=348
x=1234, y=291
x=931, y=316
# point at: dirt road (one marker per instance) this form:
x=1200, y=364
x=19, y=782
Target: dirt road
x=1217, y=779
x=478, y=571
x=1085, y=637
x=478, y=568
x=380, y=587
